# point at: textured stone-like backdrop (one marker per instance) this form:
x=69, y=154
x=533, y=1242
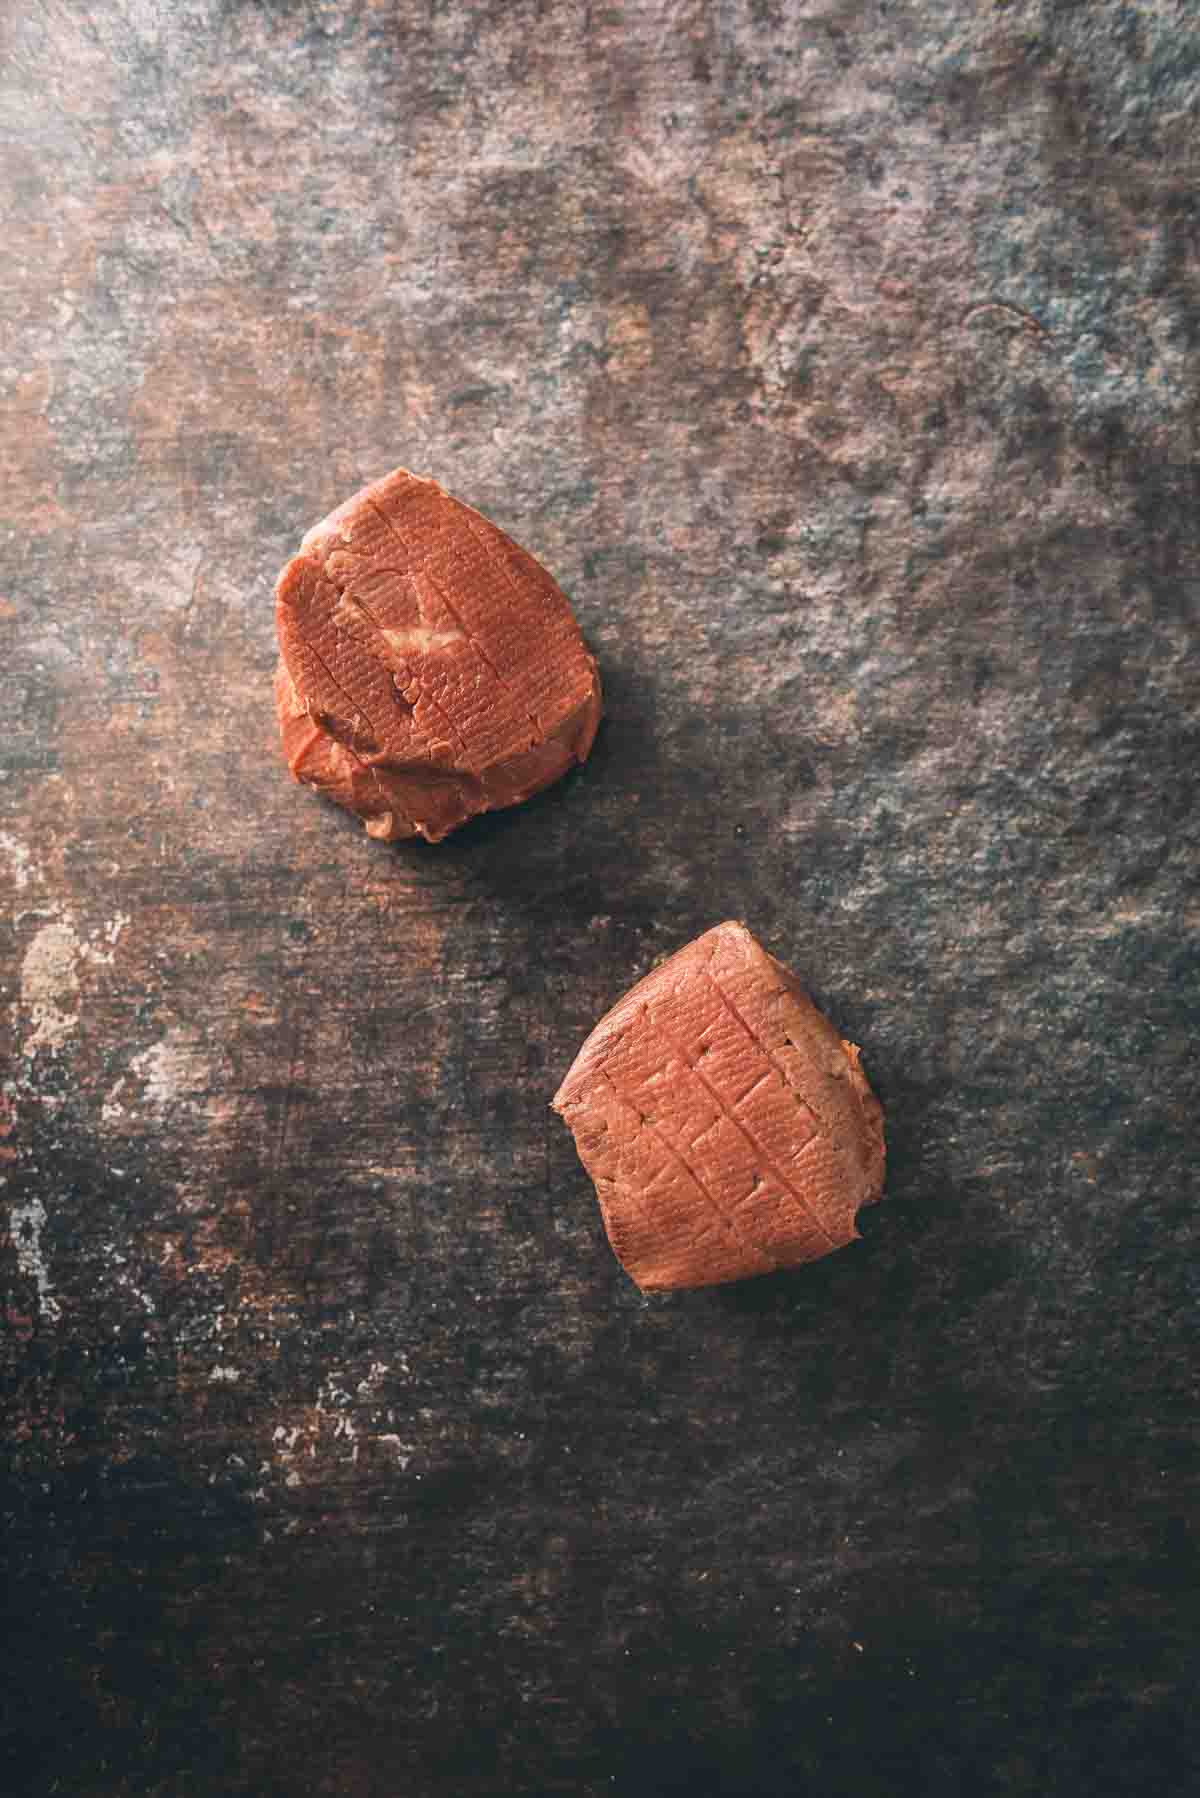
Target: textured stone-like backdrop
x=841, y=361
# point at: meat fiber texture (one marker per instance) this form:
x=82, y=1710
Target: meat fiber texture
x=430, y=668
x=728, y=1128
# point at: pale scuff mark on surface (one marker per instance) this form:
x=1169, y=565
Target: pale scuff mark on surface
x=324, y=1440
x=50, y=984
x=23, y=865
x=26, y=1223
x=119, y=1264
x=174, y=1075
x=173, y=1070
x=112, y=1111
x=160, y=1068
x=103, y=952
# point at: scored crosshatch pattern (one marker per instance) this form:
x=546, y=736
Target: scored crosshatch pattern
x=433, y=669
x=455, y=677
x=453, y=558
x=894, y=601
x=754, y=1185
x=712, y=1156
x=675, y=1211
x=430, y=575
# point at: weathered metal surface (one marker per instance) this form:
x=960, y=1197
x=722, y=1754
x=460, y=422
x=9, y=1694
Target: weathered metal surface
x=840, y=360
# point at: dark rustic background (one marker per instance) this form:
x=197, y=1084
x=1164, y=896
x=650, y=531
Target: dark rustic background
x=840, y=358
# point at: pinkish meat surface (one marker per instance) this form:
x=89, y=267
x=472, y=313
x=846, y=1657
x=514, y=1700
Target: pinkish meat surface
x=430, y=669
x=728, y=1128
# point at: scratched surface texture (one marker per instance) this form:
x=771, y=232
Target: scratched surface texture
x=840, y=360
